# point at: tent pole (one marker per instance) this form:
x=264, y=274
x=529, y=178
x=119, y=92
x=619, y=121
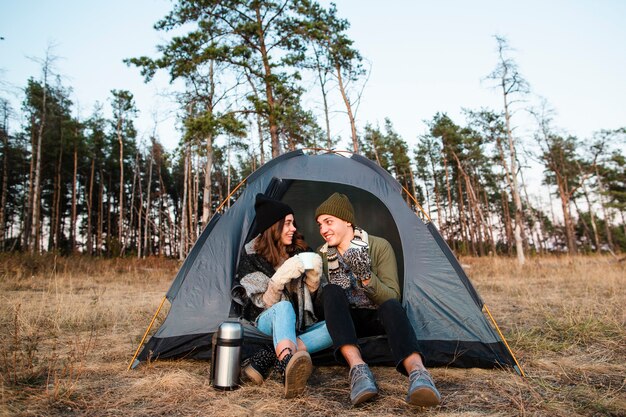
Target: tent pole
x=416, y=203
x=146, y=333
x=231, y=193
x=519, y=368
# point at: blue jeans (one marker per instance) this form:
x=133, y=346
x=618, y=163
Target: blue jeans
x=279, y=321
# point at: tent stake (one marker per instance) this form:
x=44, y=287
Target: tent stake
x=520, y=370
x=146, y=333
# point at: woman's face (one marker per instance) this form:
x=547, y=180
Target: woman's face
x=286, y=236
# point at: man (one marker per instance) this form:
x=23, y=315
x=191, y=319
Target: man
x=363, y=299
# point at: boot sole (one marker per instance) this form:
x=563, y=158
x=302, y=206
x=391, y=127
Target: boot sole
x=364, y=396
x=297, y=373
x=423, y=397
x=253, y=375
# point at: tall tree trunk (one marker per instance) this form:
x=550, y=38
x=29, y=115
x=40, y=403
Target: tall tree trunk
x=28, y=215
x=556, y=236
x=74, y=191
x=413, y=189
x=228, y=176
x=477, y=214
x=525, y=238
x=55, y=216
x=586, y=231
x=36, y=191
x=109, y=211
x=4, y=131
x=259, y=124
x=162, y=194
x=208, y=166
x=140, y=248
x=466, y=244
x=567, y=220
x=605, y=212
x=146, y=247
x=449, y=215
x=346, y=101
x=492, y=241
x=208, y=180
x=121, y=200
x=100, y=219
x=89, y=202
x=259, y=120
x=539, y=227
x=194, y=198
x=592, y=218
x=473, y=202
x=183, y=224
x=437, y=194
x=269, y=91
x=130, y=233
x=507, y=222
x=375, y=149
x=322, y=81
x=542, y=233
x=512, y=177
x=532, y=215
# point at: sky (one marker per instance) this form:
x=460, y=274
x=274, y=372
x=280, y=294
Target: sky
x=424, y=57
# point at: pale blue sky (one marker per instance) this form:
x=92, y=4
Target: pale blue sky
x=426, y=57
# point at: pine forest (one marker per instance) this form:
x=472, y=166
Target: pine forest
x=90, y=185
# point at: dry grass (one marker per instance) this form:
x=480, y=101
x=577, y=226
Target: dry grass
x=70, y=326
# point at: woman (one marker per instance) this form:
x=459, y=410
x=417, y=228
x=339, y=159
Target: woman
x=279, y=297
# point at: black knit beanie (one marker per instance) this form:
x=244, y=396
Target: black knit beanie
x=337, y=205
x=269, y=211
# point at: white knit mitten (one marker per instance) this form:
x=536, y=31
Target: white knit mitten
x=290, y=269
x=314, y=274
x=273, y=293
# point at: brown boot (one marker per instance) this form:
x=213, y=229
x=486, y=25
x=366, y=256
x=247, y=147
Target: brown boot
x=296, y=369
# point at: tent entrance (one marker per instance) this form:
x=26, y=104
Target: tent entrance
x=305, y=196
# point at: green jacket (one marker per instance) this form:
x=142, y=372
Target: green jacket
x=384, y=284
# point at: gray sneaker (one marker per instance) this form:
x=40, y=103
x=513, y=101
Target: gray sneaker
x=422, y=389
x=362, y=384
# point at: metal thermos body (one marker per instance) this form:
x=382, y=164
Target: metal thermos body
x=226, y=359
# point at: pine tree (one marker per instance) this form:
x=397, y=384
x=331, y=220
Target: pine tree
x=512, y=84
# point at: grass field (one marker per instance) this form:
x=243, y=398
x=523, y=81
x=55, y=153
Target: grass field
x=69, y=327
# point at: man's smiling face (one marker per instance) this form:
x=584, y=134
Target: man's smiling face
x=336, y=232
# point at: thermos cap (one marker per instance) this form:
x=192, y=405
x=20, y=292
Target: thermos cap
x=230, y=330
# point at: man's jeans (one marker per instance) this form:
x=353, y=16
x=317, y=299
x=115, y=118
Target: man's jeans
x=346, y=324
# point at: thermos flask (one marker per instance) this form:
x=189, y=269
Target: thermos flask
x=226, y=356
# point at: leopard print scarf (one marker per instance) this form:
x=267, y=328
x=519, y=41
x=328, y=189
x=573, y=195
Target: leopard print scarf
x=340, y=273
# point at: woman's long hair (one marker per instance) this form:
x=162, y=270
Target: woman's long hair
x=270, y=246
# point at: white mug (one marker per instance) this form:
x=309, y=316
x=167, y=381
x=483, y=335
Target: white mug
x=307, y=259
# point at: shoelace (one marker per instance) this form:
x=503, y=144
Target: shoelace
x=359, y=372
x=421, y=373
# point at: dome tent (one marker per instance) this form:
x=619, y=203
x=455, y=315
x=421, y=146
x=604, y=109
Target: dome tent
x=443, y=307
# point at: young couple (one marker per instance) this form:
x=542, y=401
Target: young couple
x=352, y=283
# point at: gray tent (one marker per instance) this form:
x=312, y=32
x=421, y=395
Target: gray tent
x=442, y=305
